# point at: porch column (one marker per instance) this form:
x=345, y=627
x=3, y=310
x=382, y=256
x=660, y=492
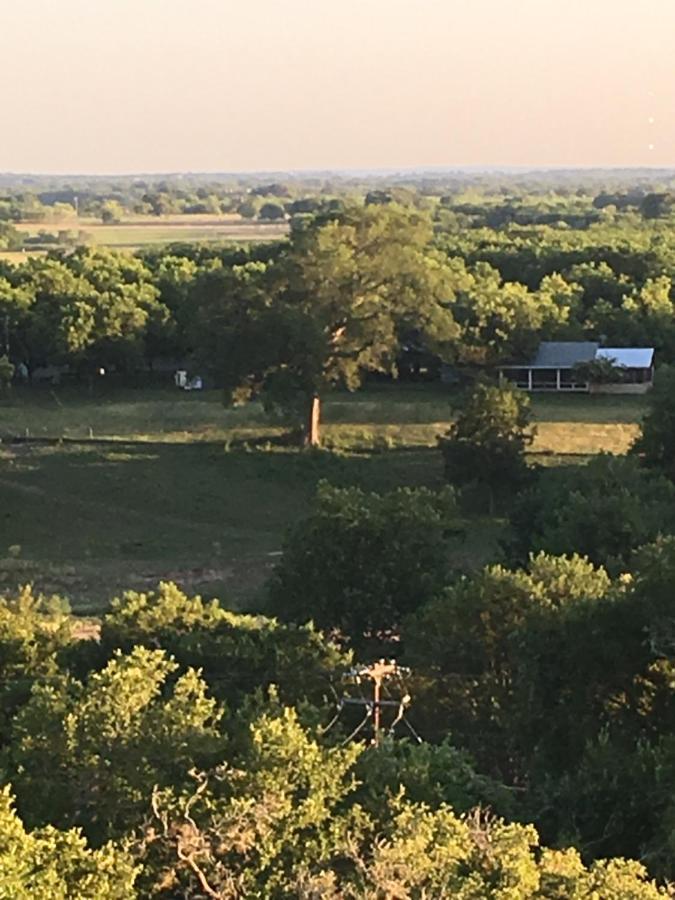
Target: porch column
x=529, y=379
x=557, y=379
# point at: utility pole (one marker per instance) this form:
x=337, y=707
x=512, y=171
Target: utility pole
x=378, y=673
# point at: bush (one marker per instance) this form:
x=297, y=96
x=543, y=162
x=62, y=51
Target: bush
x=236, y=654
x=465, y=649
x=603, y=509
x=656, y=444
x=487, y=442
x=361, y=562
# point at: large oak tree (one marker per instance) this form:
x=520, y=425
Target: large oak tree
x=333, y=307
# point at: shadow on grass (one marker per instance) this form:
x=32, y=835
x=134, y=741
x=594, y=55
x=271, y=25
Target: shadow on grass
x=91, y=518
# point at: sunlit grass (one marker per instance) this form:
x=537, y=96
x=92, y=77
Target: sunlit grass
x=136, y=485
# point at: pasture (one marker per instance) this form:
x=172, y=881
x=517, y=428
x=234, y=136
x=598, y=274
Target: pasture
x=122, y=487
x=140, y=231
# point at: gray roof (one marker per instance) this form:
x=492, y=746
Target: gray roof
x=560, y=355
x=564, y=354
x=567, y=354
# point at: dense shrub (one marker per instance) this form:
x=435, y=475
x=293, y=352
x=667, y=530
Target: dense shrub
x=236, y=654
x=603, y=509
x=487, y=442
x=361, y=562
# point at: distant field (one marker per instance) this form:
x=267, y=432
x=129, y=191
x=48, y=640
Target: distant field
x=164, y=484
x=143, y=230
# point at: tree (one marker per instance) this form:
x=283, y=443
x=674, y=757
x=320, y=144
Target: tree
x=89, y=755
x=274, y=807
x=34, y=633
x=655, y=206
x=486, y=444
x=58, y=864
x=503, y=321
x=248, y=208
x=598, y=371
x=464, y=647
x=272, y=211
x=333, y=304
x=604, y=509
x=112, y=212
x=284, y=818
x=236, y=654
x=15, y=304
x=434, y=774
x=644, y=318
x=10, y=237
x=90, y=307
x=599, y=684
x=361, y=562
x=656, y=443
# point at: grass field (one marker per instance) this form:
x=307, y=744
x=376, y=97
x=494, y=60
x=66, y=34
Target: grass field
x=143, y=231
x=151, y=484
x=403, y=416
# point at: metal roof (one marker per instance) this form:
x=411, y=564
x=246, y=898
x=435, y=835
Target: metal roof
x=567, y=354
x=560, y=355
x=630, y=357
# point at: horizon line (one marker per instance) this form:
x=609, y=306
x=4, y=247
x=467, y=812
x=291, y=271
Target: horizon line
x=351, y=171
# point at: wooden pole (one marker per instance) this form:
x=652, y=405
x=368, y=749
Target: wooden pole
x=313, y=419
x=377, y=684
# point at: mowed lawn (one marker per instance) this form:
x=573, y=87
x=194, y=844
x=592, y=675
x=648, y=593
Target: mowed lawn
x=160, y=484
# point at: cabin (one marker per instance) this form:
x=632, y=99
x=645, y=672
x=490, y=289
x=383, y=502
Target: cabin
x=554, y=368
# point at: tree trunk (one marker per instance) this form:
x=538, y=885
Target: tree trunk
x=312, y=426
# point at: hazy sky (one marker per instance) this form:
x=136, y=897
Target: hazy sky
x=220, y=85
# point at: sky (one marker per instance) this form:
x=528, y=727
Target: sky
x=127, y=86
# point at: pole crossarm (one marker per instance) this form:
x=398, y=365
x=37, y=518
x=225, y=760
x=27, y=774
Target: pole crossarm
x=377, y=674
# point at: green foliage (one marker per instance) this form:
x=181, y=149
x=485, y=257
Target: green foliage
x=486, y=444
x=431, y=774
x=91, y=306
x=89, y=755
x=272, y=211
x=33, y=633
x=10, y=237
x=362, y=561
x=248, y=826
x=464, y=648
x=330, y=307
x=644, y=317
x=598, y=371
x=435, y=854
x=657, y=205
x=603, y=509
x=656, y=444
x=616, y=801
x=503, y=321
x=555, y=680
x=58, y=865
x=111, y=212
x=283, y=819
x=236, y=654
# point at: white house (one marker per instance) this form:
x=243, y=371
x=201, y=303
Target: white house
x=553, y=368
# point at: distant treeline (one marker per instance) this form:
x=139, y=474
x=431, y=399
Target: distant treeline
x=613, y=279
x=493, y=199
